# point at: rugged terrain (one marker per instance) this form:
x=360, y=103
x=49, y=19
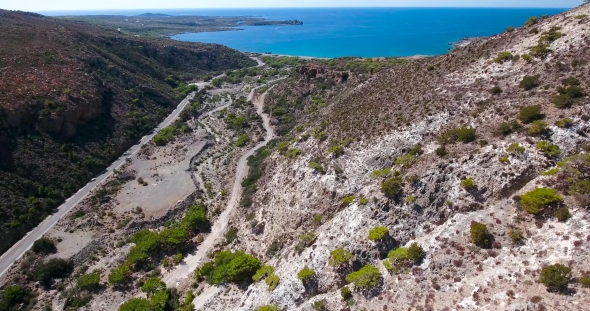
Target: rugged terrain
x=73, y=97
x=456, y=182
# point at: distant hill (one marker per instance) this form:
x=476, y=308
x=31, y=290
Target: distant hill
x=153, y=14
x=73, y=97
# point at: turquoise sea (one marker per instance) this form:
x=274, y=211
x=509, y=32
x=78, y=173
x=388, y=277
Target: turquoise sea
x=365, y=32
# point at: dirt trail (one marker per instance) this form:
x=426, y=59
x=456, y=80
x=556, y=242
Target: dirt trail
x=185, y=270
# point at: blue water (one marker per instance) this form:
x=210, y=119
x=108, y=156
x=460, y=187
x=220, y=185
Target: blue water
x=364, y=32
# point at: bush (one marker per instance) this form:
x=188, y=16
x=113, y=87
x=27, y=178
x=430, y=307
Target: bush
x=556, y=276
x=231, y=235
x=153, y=285
x=562, y=101
x=416, y=253
x=306, y=274
x=573, y=91
x=503, y=57
x=272, y=281
x=468, y=183
x=540, y=49
x=496, y=90
x=537, y=128
x=516, y=236
x=119, y=275
x=89, y=281
x=480, y=235
x=242, y=140
x=378, y=233
x=565, y=123
x=462, y=134
x=13, y=296
x=137, y=304
x=515, y=148
x=293, y=153
x=548, y=148
x=527, y=58
x=585, y=281
x=441, y=151
x=563, y=214
x=392, y=187
x=263, y=272
x=44, y=245
x=336, y=150
x=529, y=82
x=320, y=305
x=345, y=293
x=537, y=200
x=269, y=308
x=229, y=267
x=365, y=278
x=54, y=268
x=348, y=199
x=503, y=159
x=340, y=257
x=317, y=167
x=531, y=21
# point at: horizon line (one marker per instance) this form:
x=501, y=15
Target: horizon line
x=335, y=7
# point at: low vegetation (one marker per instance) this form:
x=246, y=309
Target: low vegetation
x=556, y=277
x=480, y=235
x=366, y=278
x=229, y=267
x=535, y=201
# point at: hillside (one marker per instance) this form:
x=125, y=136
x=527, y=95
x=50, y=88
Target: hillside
x=454, y=182
x=73, y=97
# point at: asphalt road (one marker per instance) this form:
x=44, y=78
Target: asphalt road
x=18, y=249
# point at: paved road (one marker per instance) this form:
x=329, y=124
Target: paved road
x=18, y=249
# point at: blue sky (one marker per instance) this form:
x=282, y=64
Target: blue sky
x=45, y=5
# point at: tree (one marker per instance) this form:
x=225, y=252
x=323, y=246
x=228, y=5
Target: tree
x=365, y=278
x=44, y=245
x=340, y=257
x=153, y=285
x=13, y=296
x=89, y=281
x=556, y=276
x=54, y=268
x=378, y=233
x=137, y=304
x=119, y=275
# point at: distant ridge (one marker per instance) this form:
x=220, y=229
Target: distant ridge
x=154, y=14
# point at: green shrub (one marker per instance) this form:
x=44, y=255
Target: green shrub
x=562, y=101
x=537, y=128
x=398, y=255
x=231, y=235
x=269, y=308
x=306, y=240
x=416, y=253
x=581, y=16
x=340, y=257
x=165, y=135
x=533, y=20
x=516, y=236
x=536, y=200
x=119, y=275
x=411, y=199
x=565, y=123
x=381, y=173
x=504, y=160
x=272, y=281
x=480, y=235
x=468, y=183
x=365, y=278
x=348, y=199
x=503, y=57
x=345, y=293
x=306, y=274
x=551, y=35
x=551, y=172
x=530, y=82
x=229, y=266
x=242, y=140
x=527, y=58
x=317, y=167
x=515, y=148
x=563, y=214
x=137, y=304
x=153, y=285
x=509, y=29
x=405, y=160
x=44, y=245
x=441, y=151
x=548, y=148
x=585, y=281
x=540, y=49
x=263, y=272
x=319, y=305
x=336, y=150
x=378, y=233
x=556, y=276
x=16, y=297
x=392, y=187
x=363, y=201
x=54, y=268
x=293, y=153
x=496, y=90
x=461, y=134
x=89, y=281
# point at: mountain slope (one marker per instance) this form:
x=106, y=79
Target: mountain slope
x=425, y=148
x=73, y=97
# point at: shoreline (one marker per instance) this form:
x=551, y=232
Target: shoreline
x=417, y=56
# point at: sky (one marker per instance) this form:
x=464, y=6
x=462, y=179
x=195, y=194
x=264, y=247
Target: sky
x=59, y=5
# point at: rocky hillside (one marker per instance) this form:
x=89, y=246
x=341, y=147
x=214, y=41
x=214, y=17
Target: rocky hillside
x=73, y=97
x=456, y=182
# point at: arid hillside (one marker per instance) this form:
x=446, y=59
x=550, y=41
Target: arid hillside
x=73, y=97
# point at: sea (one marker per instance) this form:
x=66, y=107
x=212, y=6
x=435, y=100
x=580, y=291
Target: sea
x=359, y=32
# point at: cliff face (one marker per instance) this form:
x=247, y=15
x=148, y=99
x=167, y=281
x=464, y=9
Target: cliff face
x=350, y=137
x=73, y=97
